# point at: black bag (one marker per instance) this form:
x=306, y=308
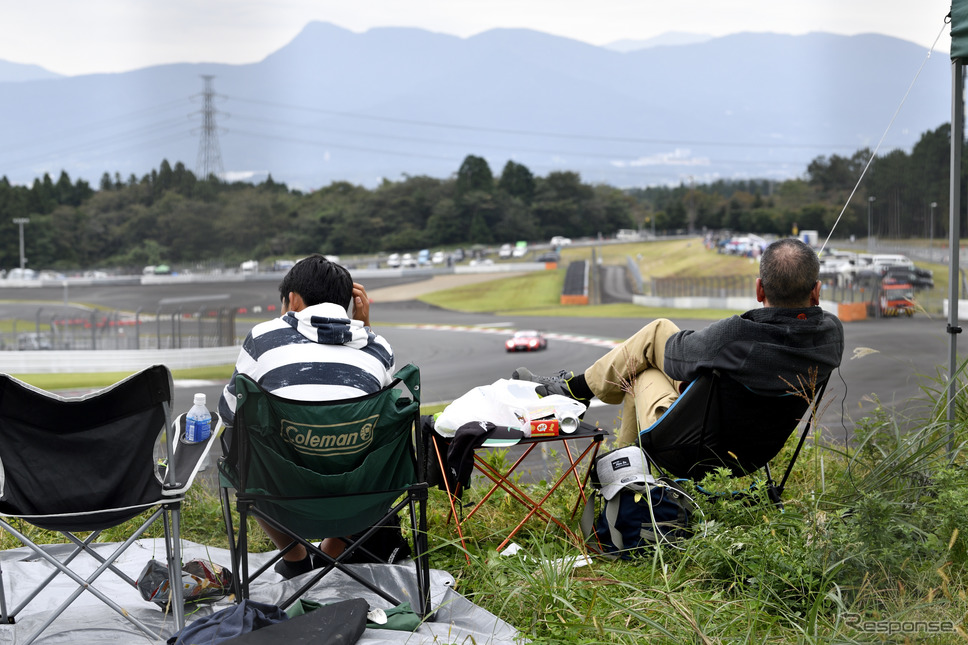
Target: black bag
x=386, y=546
x=639, y=511
x=433, y=475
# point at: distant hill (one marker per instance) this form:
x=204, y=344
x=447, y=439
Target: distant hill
x=16, y=72
x=338, y=105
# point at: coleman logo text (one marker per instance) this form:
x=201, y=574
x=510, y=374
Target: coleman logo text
x=330, y=440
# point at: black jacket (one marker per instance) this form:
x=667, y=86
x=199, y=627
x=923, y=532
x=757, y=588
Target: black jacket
x=765, y=349
x=764, y=359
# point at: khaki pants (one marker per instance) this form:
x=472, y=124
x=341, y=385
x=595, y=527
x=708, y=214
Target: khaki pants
x=632, y=374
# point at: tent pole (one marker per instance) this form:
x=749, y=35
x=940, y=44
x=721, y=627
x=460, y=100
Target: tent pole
x=954, y=238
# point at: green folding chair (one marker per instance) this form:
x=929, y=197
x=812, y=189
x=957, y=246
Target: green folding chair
x=323, y=469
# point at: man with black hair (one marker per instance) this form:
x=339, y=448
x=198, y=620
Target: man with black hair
x=767, y=351
x=320, y=349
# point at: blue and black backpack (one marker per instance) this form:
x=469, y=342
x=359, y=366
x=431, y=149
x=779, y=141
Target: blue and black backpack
x=638, y=517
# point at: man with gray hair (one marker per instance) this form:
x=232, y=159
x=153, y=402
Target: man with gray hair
x=767, y=351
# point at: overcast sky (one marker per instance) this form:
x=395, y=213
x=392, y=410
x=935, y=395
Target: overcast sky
x=88, y=36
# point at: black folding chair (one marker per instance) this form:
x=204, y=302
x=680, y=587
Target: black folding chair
x=86, y=464
x=716, y=422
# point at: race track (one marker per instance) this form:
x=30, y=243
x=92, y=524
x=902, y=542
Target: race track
x=884, y=359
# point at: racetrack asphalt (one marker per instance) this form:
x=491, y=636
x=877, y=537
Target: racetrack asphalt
x=887, y=359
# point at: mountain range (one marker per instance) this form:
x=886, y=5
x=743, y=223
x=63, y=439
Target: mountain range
x=337, y=105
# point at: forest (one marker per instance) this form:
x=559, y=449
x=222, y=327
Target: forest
x=171, y=216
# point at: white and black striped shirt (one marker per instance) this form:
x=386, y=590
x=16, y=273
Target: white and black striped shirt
x=316, y=354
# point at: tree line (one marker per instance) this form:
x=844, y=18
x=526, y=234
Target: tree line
x=171, y=216
x=903, y=186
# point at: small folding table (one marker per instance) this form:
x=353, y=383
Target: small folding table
x=571, y=443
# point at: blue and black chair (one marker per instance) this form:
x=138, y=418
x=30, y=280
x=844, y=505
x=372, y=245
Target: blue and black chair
x=717, y=422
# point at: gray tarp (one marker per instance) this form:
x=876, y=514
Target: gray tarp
x=88, y=621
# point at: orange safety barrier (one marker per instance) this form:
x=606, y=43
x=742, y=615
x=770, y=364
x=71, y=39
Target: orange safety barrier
x=851, y=311
x=574, y=300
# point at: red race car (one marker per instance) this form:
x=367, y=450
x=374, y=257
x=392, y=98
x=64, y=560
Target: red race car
x=526, y=340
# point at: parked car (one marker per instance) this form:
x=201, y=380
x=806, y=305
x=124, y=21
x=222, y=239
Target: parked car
x=33, y=341
x=17, y=274
x=505, y=251
x=526, y=340
x=437, y=258
x=882, y=262
x=558, y=240
x=408, y=261
x=548, y=256
x=393, y=261
x=520, y=250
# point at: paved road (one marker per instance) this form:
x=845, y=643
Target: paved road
x=892, y=355
x=886, y=359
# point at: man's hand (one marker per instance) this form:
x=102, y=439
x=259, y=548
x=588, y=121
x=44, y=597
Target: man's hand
x=361, y=304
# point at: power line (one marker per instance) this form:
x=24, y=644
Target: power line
x=128, y=140
x=513, y=149
x=88, y=128
x=537, y=133
x=209, y=160
x=328, y=144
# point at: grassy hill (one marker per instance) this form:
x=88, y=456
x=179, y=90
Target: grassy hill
x=871, y=544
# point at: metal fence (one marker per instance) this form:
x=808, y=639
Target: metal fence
x=71, y=328
x=929, y=301
x=705, y=287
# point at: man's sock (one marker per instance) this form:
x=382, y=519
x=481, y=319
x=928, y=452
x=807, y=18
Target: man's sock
x=288, y=569
x=579, y=387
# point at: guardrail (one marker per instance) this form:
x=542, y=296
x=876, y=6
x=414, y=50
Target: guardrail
x=71, y=328
x=70, y=362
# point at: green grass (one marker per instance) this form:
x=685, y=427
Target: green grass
x=538, y=291
x=875, y=533
x=103, y=379
x=877, y=530
x=686, y=258
x=10, y=325
x=538, y=294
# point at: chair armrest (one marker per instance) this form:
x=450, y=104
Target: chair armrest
x=187, y=459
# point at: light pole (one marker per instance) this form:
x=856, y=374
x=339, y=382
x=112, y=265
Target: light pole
x=23, y=260
x=870, y=217
x=931, y=227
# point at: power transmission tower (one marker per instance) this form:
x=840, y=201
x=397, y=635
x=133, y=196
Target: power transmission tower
x=209, y=160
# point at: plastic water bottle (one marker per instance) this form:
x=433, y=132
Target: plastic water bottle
x=198, y=421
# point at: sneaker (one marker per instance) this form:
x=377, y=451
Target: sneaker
x=548, y=384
